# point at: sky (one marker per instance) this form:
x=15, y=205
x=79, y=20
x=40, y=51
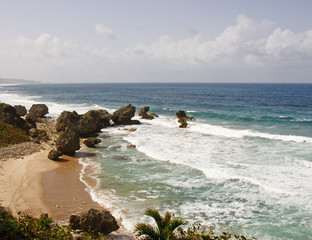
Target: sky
x=156, y=40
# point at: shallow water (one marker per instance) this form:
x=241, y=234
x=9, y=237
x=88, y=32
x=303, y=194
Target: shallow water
x=244, y=166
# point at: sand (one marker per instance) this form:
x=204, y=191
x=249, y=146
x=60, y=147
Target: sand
x=34, y=185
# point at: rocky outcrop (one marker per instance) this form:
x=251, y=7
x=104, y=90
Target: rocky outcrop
x=95, y=220
x=39, y=109
x=67, y=142
x=85, y=124
x=124, y=114
x=54, y=154
x=143, y=113
x=38, y=134
x=20, y=110
x=91, y=142
x=153, y=114
x=181, y=115
x=9, y=115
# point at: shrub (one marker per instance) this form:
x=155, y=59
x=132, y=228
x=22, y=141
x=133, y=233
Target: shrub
x=10, y=135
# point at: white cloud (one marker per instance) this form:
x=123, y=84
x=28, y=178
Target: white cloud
x=105, y=31
x=246, y=46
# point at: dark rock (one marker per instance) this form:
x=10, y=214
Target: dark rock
x=143, y=113
x=181, y=114
x=123, y=116
x=74, y=222
x=98, y=221
x=54, y=154
x=91, y=142
x=20, y=110
x=153, y=114
x=32, y=118
x=131, y=146
x=85, y=124
x=191, y=118
x=183, y=122
x=67, y=142
x=9, y=115
x=39, y=109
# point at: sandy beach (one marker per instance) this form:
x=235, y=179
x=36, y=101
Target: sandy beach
x=34, y=185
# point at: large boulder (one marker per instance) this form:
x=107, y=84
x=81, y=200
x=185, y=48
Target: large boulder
x=143, y=113
x=181, y=114
x=54, y=154
x=101, y=116
x=85, y=124
x=9, y=115
x=20, y=110
x=95, y=220
x=91, y=142
x=124, y=114
x=67, y=142
x=39, y=109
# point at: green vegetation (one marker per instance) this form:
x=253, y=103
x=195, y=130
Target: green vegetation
x=42, y=228
x=168, y=228
x=3, y=106
x=10, y=135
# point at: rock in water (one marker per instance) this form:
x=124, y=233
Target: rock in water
x=95, y=220
x=91, y=142
x=54, y=154
x=39, y=109
x=143, y=113
x=20, y=110
x=68, y=142
x=124, y=114
x=181, y=114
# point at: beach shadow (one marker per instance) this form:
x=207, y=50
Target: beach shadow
x=84, y=154
x=60, y=159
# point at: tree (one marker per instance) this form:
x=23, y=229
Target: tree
x=165, y=229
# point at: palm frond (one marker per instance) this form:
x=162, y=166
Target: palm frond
x=175, y=223
x=144, y=229
x=156, y=215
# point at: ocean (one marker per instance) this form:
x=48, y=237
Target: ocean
x=244, y=166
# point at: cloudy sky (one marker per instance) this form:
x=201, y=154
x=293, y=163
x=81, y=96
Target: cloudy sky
x=156, y=40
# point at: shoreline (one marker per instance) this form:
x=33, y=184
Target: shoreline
x=35, y=185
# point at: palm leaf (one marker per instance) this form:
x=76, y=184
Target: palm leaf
x=144, y=229
x=156, y=215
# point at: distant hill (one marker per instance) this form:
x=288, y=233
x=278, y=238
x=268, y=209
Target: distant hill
x=16, y=81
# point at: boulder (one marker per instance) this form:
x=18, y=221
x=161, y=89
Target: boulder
x=153, y=114
x=38, y=134
x=39, y=109
x=95, y=220
x=54, y=154
x=20, y=110
x=143, y=113
x=91, y=142
x=183, y=122
x=124, y=114
x=101, y=116
x=85, y=124
x=9, y=115
x=181, y=114
x=67, y=142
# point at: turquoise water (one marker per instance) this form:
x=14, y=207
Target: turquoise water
x=245, y=165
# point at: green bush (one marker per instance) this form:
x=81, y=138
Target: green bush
x=10, y=135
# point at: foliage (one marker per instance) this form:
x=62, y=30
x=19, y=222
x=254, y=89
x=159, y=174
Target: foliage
x=3, y=106
x=10, y=135
x=165, y=229
x=168, y=229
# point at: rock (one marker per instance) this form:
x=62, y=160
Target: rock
x=191, y=118
x=91, y=142
x=97, y=221
x=39, y=109
x=143, y=113
x=130, y=129
x=20, y=110
x=67, y=142
x=124, y=114
x=74, y=222
x=183, y=122
x=181, y=114
x=54, y=154
x=85, y=124
x=9, y=115
x=32, y=118
x=131, y=146
x=153, y=114
x=101, y=116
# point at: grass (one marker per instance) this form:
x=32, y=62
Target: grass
x=10, y=135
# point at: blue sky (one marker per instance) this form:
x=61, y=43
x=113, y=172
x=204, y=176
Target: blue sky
x=156, y=41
